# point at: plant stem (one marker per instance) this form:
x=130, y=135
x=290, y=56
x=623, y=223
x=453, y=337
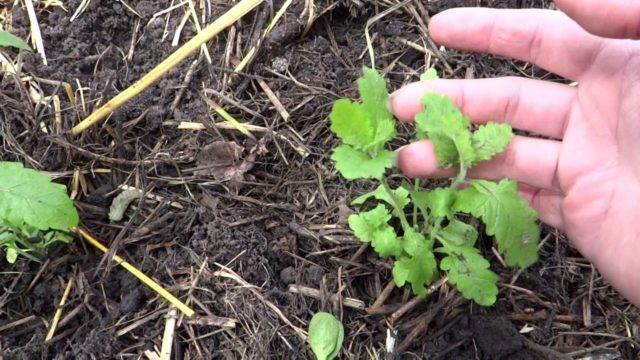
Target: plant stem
x=416, y=187
x=396, y=206
x=462, y=174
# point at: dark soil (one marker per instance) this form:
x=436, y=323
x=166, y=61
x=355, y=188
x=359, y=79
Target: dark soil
x=268, y=208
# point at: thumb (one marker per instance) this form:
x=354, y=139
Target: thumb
x=606, y=18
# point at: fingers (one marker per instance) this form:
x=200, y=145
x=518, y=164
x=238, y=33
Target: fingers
x=547, y=203
x=527, y=160
x=612, y=18
x=546, y=38
x=531, y=105
x=536, y=174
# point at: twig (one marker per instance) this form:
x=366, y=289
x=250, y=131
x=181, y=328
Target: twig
x=35, y=30
x=274, y=99
x=572, y=354
x=185, y=83
x=383, y=296
x=123, y=162
x=224, y=21
x=230, y=274
x=315, y=293
x=58, y=313
x=212, y=320
x=416, y=300
x=547, y=352
x=426, y=319
x=13, y=324
x=169, y=331
x=137, y=273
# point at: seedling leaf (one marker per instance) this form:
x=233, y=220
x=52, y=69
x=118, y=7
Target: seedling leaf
x=354, y=164
x=419, y=271
x=350, y=123
x=12, y=255
x=490, y=139
x=459, y=233
x=399, y=197
x=366, y=224
x=29, y=197
x=386, y=243
x=440, y=201
x=415, y=243
x=507, y=217
x=326, y=334
x=470, y=273
x=367, y=126
x=7, y=39
x=375, y=99
x=430, y=74
x=446, y=127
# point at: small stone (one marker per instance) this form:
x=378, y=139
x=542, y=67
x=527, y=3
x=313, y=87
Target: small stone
x=288, y=275
x=280, y=64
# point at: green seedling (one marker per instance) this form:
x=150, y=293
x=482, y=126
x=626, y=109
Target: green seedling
x=326, y=334
x=428, y=231
x=7, y=39
x=34, y=212
x=430, y=74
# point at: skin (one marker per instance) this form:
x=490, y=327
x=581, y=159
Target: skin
x=585, y=179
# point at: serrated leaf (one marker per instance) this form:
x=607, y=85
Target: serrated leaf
x=415, y=243
x=386, y=243
x=7, y=39
x=490, y=139
x=354, y=164
x=419, y=271
x=326, y=335
x=350, y=123
x=369, y=125
x=375, y=99
x=471, y=275
x=29, y=197
x=399, y=197
x=459, y=233
x=507, y=217
x=430, y=74
x=366, y=224
x=440, y=202
x=446, y=127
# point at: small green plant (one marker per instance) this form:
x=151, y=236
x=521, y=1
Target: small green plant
x=326, y=334
x=34, y=212
x=428, y=231
x=7, y=39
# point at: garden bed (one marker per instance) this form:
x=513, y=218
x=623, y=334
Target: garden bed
x=251, y=231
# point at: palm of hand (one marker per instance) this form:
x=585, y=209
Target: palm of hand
x=599, y=164
x=587, y=182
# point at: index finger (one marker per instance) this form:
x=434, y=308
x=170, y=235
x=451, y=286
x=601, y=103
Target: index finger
x=547, y=38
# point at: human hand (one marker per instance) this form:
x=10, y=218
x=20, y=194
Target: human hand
x=586, y=181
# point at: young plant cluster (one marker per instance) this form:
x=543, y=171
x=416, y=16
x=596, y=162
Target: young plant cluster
x=34, y=212
x=428, y=231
